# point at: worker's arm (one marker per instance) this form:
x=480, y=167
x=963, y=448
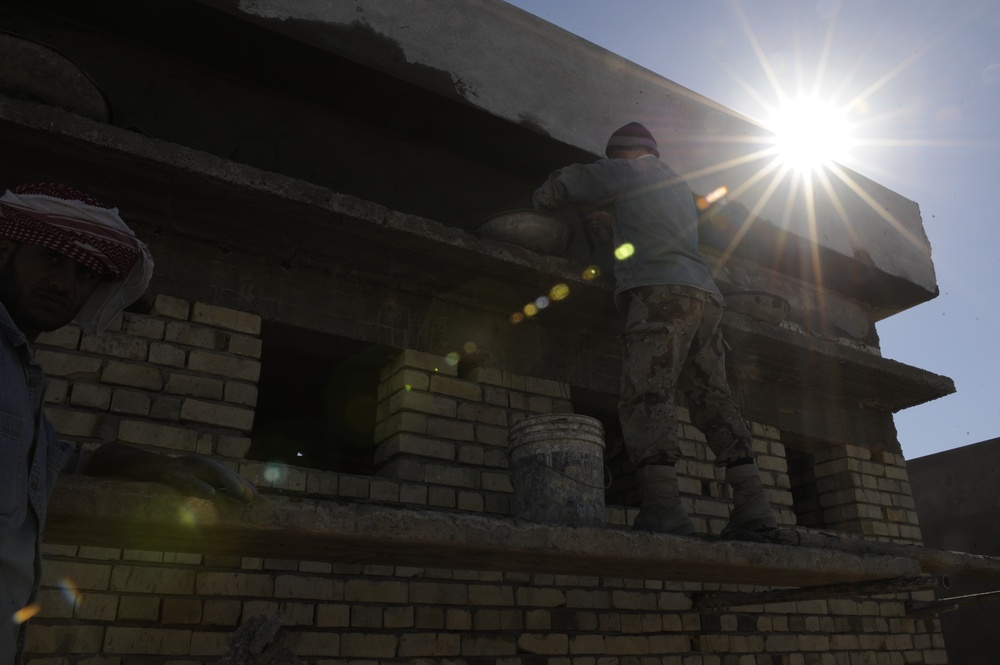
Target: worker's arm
x=191, y=474
x=596, y=184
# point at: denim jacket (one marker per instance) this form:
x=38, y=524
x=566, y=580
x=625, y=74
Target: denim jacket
x=31, y=459
x=655, y=221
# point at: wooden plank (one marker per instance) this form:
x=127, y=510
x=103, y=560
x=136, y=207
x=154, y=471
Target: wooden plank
x=112, y=513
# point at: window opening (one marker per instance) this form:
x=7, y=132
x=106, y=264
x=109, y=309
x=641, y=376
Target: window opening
x=804, y=489
x=317, y=400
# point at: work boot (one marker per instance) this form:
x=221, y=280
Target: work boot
x=661, y=509
x=751, y=509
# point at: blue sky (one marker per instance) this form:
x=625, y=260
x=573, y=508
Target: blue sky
x=924, y=76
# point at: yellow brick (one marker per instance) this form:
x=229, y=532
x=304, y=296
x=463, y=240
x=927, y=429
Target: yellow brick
x=121, y=373
x=77, y=423
x=56, y=392
x=413, y=645
x=333, y=615
x=225, y=365
x=543, y=644
x=139, y=608
x=64, y=639
x=169, y=306
x=233, y=446
x=207, y=644
x=194, y=385
x=91, y=395
x=362, y=645
x=497, y=377
x=68, y=365
x=130, y=402
x=406, y=379
x=118, y=346
x=147, y=640
x=302, y=586
x=199, y=336
x=149, y=579
x=162, y=436
x=540, y=597
x=234, y=584
x=375, y=591
x=488, y=645
x=66, y=337
x=223, y=317
x=438, y=593
x=422, y=361
x=167, y=354
x=615, y=645
x=401, y=422
x=584, y=644
x=54, y=604
x=237, y=392
x=217, y=414
x=482, y=413
x=148, y=327
x=489, y=594
x=453, y=387
x=244, y=345
x=421, y=402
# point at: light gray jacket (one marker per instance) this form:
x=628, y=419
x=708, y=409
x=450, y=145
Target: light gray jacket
x=655, y=221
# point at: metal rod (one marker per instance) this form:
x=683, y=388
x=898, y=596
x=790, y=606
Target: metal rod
x=847, y=590
x=914, y=608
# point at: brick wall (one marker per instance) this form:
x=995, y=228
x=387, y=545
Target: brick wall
x=183, y=378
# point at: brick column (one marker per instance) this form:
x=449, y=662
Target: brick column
x=449, y=432
x=866, y=493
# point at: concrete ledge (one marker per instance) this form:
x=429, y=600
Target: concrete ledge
x=112, y=513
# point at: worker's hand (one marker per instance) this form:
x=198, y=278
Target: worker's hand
x=194, y=475
x=205, y=477
x=601, y=225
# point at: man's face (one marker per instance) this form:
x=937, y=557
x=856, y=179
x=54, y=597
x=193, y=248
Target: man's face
x=42, y=290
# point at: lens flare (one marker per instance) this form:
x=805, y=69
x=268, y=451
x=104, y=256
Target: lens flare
x=530, y=309
x=704, y=202
x=469, y=347
x=624, y=251
x=541, y=302
x=591, y=272
x=516, y=318
x=452, y=359
x=274, y=473
x=559, y=292
x=26, y=613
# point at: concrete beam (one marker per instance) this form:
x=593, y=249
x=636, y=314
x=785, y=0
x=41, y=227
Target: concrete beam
x=577, y=93
x=111, y=513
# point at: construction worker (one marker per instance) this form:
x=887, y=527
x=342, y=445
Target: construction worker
x=672, y=339
x=63, y=257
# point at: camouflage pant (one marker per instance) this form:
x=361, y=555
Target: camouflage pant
x=673, y=341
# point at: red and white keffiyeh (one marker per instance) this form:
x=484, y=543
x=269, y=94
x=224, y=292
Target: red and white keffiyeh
x=76, y=225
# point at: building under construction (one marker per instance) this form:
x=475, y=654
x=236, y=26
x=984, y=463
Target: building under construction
x=330, y=316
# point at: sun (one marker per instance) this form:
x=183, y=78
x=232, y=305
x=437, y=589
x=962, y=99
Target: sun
x=809, y=134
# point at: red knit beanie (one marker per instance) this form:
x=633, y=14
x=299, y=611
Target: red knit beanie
x=630, y=136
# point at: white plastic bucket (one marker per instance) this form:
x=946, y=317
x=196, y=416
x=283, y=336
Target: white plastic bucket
x=557, y=469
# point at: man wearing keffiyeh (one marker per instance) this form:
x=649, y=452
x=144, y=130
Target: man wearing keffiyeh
x=64, y=257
